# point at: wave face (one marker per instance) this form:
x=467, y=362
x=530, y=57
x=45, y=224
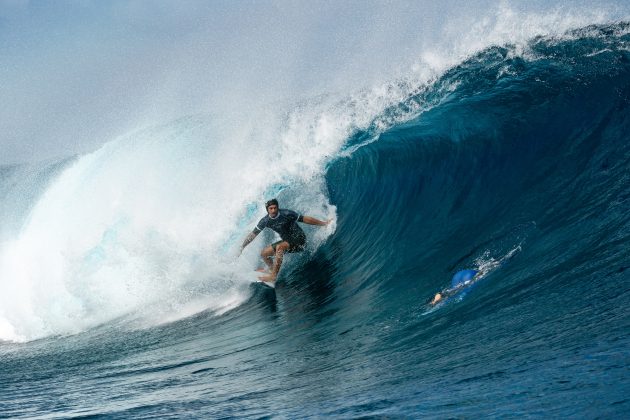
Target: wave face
x=515, y=163
x=520, y=148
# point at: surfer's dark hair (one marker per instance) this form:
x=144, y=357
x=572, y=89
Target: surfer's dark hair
x=271, y=202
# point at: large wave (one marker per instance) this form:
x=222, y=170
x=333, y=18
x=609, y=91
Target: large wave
x=425, y=175
x=523, y=135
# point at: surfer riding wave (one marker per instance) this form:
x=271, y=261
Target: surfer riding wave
x=292, y=237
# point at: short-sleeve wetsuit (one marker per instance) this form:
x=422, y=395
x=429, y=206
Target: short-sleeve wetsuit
x=285, y=224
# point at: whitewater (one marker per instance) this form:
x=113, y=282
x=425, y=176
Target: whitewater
x=504, y=149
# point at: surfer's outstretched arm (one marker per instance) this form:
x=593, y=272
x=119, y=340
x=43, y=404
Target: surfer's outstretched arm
x=313, y=221
x=248, y=239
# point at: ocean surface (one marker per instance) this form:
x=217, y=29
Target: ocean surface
x=121, y=294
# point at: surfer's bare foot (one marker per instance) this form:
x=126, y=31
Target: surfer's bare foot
x=262, y=270
x=268, y=278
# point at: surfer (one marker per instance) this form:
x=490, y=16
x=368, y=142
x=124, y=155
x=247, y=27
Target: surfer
x=293, y=239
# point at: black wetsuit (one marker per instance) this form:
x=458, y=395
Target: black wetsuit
x=285, y=224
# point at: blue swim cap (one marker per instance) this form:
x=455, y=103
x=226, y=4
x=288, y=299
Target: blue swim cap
x=462, y=277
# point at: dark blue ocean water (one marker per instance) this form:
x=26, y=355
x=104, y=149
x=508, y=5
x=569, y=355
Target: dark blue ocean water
x=517, y=164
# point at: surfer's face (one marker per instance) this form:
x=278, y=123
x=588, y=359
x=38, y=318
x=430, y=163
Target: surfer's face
x=272, y=210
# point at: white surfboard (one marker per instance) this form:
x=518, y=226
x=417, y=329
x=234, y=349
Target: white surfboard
x=271, y=285
x=257, y=274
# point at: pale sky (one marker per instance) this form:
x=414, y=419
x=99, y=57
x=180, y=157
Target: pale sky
x=75, y=74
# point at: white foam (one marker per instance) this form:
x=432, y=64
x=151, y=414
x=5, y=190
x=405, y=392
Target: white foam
x=145, y=226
